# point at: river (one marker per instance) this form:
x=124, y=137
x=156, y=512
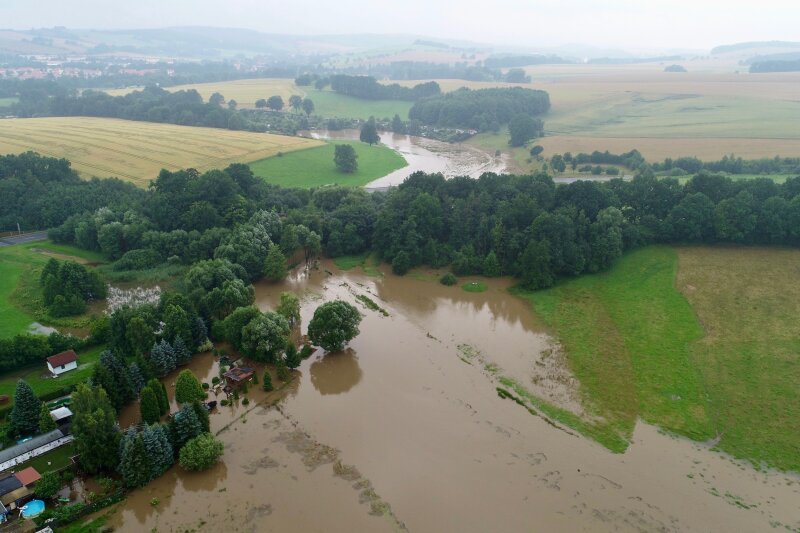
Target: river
x=426, y=155
x=404, y=430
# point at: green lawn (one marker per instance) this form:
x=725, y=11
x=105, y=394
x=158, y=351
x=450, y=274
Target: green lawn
x=20, y=295
x=331, y=104
x=58, y=459
x=39, y=378
x=315, y=168
x=12, y=263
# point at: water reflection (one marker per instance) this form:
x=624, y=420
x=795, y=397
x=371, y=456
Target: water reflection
x=336, y=373
x=207, y=480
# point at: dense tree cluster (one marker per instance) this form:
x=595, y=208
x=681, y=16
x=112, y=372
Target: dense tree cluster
x=67, y=286
x=368, y=88
x=482, y=109
x=42, y=192
x=538, y=232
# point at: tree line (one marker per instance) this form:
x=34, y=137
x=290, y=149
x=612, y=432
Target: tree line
x=482, y=109
x=367, y=87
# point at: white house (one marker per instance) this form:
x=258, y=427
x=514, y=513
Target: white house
x=62, y=362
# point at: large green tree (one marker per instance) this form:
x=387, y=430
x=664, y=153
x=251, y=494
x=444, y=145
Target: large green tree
x=369, y=132
x=289, y=307
x=345, y=158
x=187, y=388
x=275, y=103
x=275, y=264
x=201, y=452
x=94, y=426
x=46, y=422
x=334, y=324
x=264, y=336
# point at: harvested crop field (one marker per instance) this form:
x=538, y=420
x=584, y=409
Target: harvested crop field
x=137, y=151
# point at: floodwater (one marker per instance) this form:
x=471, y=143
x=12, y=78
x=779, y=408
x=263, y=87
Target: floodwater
x=404, y=430
x=426, y=155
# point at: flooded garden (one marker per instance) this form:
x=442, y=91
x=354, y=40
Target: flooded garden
x=405, y=430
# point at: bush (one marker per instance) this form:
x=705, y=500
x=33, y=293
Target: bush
x=201, y=452
x=139, y=259
x=284, y=374
x=206, y=386
x=187, y=388
x=49, y=484
x=223, y=403
x=246, y=401
x=267, y=386
x=306, y=351
x=215, y=380
x=448, y=279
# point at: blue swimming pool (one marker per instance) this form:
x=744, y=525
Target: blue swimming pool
x=32, y=508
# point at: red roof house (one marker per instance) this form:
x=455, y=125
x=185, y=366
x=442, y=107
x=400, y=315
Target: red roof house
x=27, y=476
x=62, y=362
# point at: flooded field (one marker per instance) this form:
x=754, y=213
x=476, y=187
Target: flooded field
x=405, y=431
x=426, y=155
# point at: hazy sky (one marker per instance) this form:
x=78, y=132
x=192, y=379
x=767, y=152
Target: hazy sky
x=633, y=24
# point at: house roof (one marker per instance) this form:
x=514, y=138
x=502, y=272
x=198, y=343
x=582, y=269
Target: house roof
x=60, y=413
x=15, y=495
x=27, y=446
x=9, y=484
x=62, y=358
x=239, y=373
x=29, y=475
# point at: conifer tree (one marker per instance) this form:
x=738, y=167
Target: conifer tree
x=149, y=406
x=162, y=356
x=24, y=416
x=161, y=394
x=185, y=426
x=182, y=353
x=135, y=464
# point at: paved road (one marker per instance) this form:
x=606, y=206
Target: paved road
x=20, y=239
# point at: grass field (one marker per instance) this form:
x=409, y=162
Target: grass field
x=700, y=341
x=315, y=167
x=137, y=151
x=40, y=380
x=20, y=294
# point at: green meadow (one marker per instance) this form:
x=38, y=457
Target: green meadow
x=314, y=167
x=665, y=337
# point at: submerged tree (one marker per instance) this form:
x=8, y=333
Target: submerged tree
x=369, y=132
x=334, y=324
x=289, y=307
x=275, y=264
x=201, y=452
x=187, y=388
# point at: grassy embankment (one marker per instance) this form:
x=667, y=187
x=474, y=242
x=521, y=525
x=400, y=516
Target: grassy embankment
x=137, y=151
x=665, y=336
x=368, y=262
x=314, y=167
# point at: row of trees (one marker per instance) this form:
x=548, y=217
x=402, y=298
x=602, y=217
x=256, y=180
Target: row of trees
x=368, y=88
x=482, y=109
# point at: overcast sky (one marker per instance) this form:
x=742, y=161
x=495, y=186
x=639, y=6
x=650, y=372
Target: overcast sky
x=632, y=24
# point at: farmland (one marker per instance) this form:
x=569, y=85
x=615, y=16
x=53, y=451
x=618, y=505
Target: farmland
x=315, y=167
x=137, y=151
x=665, y=336
x=326, y=103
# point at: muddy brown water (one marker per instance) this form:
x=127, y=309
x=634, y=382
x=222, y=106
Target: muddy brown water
x=404, y=431
x=426, y=155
